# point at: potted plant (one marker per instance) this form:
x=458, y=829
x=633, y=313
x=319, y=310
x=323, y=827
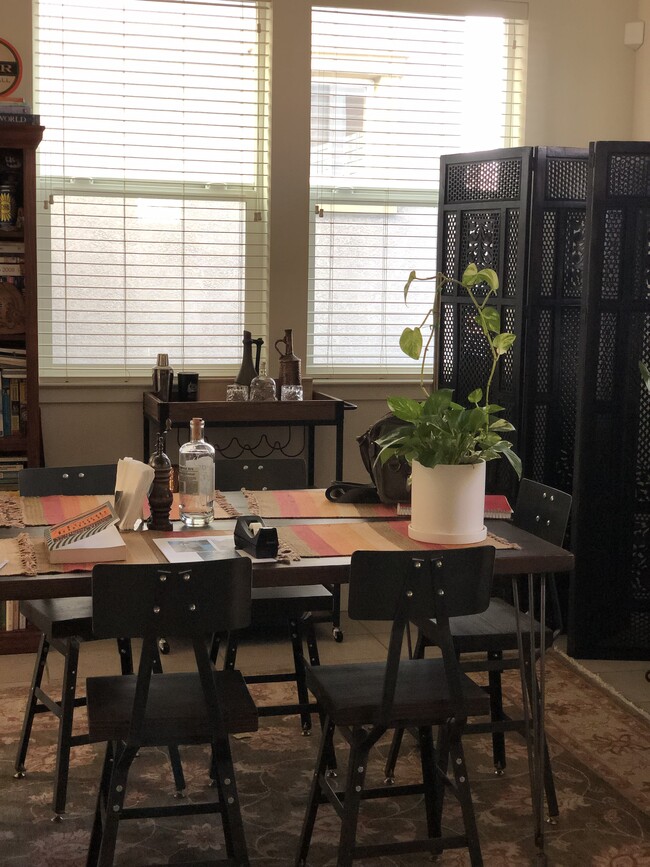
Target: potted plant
x=447, y=444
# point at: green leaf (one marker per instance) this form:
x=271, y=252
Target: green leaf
x=515, y=461
x=490, y=316
x=468, y=274
x=501, y=425
x=503, y=342
x=407, y=286
x=411, y=342
x=405, y=408
x=490, y=277
x=475, y=396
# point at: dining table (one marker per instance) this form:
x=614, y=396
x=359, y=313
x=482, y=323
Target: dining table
x=518, y=553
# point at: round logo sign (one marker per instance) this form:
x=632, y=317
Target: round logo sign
x=11, y=68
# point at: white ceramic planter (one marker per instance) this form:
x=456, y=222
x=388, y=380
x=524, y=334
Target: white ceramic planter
x=448, y=503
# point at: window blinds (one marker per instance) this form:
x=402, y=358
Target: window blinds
x=391, y=93
x=153, y=178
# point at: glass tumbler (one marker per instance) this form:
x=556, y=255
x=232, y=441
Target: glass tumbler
x=237, y=392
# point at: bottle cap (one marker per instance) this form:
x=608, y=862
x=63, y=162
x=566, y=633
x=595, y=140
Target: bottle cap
x=163, y=360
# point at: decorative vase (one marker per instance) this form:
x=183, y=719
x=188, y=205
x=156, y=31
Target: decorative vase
x=448, y=503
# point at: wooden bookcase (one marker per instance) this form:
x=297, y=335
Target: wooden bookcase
x=20, y=444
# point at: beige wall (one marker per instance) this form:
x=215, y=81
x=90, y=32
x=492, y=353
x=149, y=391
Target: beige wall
x=583, y=84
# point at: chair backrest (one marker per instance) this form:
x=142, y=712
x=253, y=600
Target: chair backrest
x=49, y=481
x=259, y=474
x=542, y=511
x=174, y=599
x=378, y=578
x=416, y=586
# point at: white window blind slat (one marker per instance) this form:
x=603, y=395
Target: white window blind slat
x=391, y=93
x=154, y=168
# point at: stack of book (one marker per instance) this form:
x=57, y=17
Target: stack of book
x=12, y=260
x=13, y=111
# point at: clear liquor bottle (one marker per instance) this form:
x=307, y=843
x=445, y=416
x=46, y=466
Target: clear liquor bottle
x=196, y=478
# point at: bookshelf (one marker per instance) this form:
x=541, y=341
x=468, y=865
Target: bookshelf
x=20, y=442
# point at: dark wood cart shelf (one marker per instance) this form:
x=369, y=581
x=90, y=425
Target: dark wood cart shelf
x=321, y=411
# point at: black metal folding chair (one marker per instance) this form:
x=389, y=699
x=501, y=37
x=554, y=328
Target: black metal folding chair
x=544, y=512
x=363, y=701
x=204, y=706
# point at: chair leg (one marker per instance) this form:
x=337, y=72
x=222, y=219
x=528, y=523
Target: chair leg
x=465, y=798
x=398, y=735
x=549, y=781
x=295, y=631
x=68, y=693
x=428, y=764
x=496, y=713
x=325, y=748
x=115, y=795
x=30, y=709
x=337, y=632
x=233, y=826
x=356, y=775
x=98, y=825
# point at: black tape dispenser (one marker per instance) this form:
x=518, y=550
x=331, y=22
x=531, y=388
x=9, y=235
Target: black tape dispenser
x=252, y=536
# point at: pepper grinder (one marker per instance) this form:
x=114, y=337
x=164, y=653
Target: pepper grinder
x=160, y=496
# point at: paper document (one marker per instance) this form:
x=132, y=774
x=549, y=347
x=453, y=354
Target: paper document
x=192, y=549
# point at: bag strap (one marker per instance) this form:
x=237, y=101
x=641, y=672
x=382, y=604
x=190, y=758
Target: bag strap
x=352, y=492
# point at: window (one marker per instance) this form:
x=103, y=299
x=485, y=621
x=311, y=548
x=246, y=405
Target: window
x=391, y=93
x=154, y=170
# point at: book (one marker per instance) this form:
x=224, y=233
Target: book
x=91, y=537
x=13, y=248
x=14, y=106
x=496, y=507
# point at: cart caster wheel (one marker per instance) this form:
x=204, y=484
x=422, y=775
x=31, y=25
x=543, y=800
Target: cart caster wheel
x=337, y=634
x=163, y=646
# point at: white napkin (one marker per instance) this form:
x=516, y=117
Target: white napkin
x=132, y=484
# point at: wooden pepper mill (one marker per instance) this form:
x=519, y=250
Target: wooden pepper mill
x=160, y=496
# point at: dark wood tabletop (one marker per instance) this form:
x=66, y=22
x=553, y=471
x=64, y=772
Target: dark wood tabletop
x=534, y=556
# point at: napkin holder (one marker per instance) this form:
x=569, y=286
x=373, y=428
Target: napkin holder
x=253, y=537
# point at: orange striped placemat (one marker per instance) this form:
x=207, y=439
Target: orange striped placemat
x=311, y=503
x=342, y=540
x=17, y=511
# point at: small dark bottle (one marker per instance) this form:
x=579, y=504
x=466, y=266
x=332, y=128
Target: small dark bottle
x=160, y=495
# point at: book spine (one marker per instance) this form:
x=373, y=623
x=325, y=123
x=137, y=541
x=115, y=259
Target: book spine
x=10, y=117
x=6, y=407
x=10, y=269
x=14, y=395
x=22, y=390
x=14, y=248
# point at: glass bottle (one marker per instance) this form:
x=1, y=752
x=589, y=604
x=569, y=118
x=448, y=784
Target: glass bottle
x=196, y=478
x=263, y=386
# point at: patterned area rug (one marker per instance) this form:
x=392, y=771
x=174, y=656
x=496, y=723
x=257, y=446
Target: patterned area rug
x=600, y=750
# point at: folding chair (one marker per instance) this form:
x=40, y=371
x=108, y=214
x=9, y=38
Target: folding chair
x=64, y=625
x=363, y=701
x=188, y=600
x=544, y=512
x=297, y=607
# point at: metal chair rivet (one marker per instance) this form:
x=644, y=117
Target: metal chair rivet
x=186, y=576
x=409, y=593
x=357, y=788
x=537, y=518
x=156, y=609
x=360, y=769
x=116, y=808
x=438, y=564
x=119, y=788
x=231, y=800
x=227, y=781
x=192, y=607
x=82, y=475
x=65, y=476
x=441, y=592
x=163, y=577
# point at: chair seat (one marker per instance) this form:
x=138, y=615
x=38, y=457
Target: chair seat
x=351, y=694
x=60, y=618
x=175, y=711
x=493, y=630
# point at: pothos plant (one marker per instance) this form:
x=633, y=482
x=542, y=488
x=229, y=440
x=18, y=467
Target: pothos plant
x=437, y=430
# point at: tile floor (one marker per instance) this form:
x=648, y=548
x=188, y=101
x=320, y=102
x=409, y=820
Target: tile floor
x=363, y=641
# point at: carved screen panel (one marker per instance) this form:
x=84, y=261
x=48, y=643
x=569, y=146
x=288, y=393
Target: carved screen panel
x=555, y=281
x=483, y=219
x=610, y=595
